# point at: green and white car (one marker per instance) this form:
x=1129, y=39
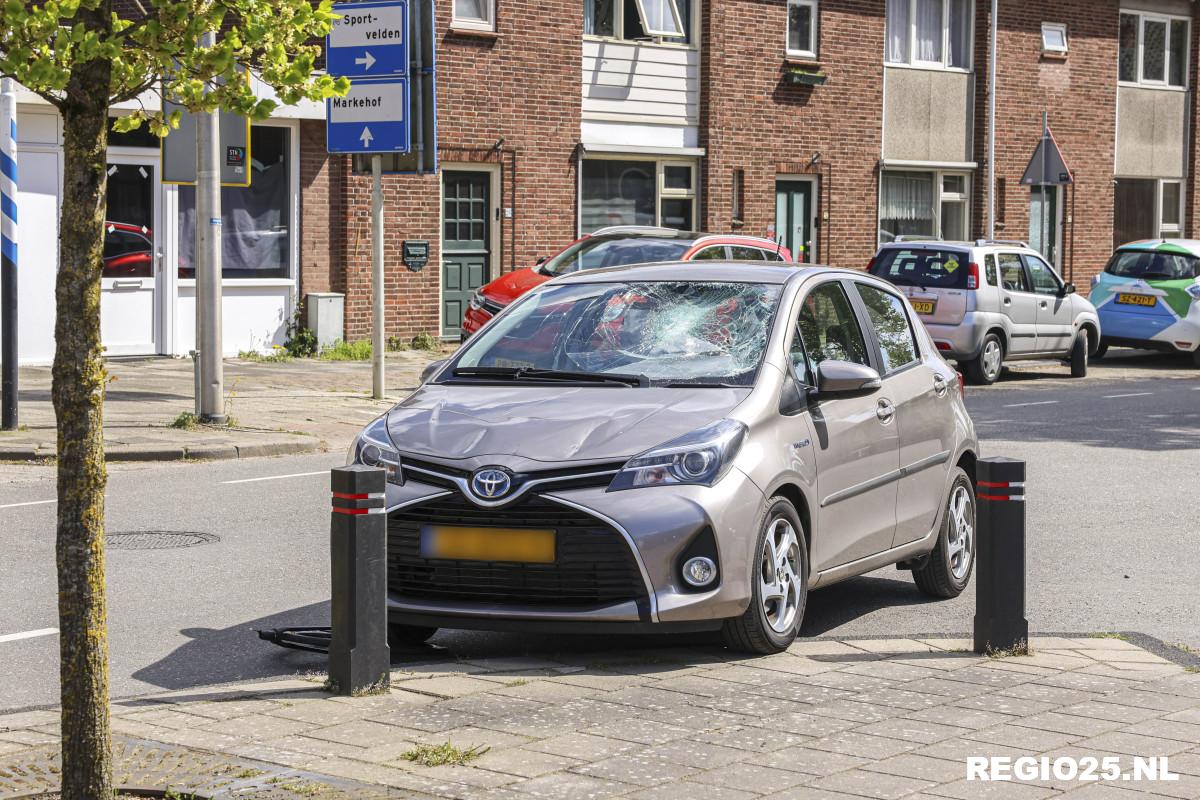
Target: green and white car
x=1149, y=297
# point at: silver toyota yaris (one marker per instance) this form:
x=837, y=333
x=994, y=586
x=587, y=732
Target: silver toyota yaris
x=676, y=447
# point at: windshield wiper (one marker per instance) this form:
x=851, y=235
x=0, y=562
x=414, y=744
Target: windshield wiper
x=1155, y=275
x=702, y=385
x=533, y=373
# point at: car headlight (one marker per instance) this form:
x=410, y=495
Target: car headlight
x=699, y=458
x=374, y=448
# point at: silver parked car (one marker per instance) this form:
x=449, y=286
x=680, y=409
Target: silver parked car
x=988, y=301
x=676, y=447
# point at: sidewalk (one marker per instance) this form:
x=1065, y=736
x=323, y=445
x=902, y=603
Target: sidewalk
x=835, y=720
x=279, y=408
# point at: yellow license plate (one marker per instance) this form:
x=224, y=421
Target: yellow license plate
x=924, y=306
x=527, y=546
x=1137, y=299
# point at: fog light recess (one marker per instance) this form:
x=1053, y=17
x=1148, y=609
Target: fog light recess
x=699, y=572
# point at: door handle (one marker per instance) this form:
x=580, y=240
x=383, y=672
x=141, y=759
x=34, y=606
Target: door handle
x=1008, y=301
x=118, y=284
x=885, y=411
x=1044, y=304
x=939, y=385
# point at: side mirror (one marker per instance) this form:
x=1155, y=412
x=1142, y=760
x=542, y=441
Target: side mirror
x=1068, y=288
x=431, y=369
x=837, y=378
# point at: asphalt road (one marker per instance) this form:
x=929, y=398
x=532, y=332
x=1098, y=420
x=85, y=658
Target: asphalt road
x=1114, y=543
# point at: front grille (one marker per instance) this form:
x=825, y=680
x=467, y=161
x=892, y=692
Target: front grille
x=573, y=477
x=593, y=565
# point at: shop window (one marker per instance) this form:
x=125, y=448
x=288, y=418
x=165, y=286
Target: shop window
x=637, y=192
x=802, y=28
x=929, y=33
x=638, y=20
x=924, y=204
x=474, y=14
x=255, y=220
x=1153, y=49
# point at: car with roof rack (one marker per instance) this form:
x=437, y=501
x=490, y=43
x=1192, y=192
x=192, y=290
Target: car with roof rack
x=988, y=301
x=1148, y=297
x=617, y=245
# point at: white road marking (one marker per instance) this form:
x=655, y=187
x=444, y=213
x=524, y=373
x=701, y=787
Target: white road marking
x=1039, y=403
x=1118, y=396
x=278, y=477
x=30, y=503
x=16, y=637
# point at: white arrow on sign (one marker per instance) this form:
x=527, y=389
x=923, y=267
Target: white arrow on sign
x=366, y=61
x=366, y=137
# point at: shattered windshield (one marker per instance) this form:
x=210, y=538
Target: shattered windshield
x=664, y=332
x=596, y=252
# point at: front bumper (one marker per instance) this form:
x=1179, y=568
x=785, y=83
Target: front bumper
x=655, y=523
x=1153, y=332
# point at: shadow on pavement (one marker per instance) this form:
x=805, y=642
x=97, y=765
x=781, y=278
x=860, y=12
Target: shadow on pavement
x=857, y=597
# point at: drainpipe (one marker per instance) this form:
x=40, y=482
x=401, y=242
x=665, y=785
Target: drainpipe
x=993, y=25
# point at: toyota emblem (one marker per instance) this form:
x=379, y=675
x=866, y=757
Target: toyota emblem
x=491, y=483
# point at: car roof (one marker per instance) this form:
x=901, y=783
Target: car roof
x=695, y=237
x=771, y=272
x=1189, y=246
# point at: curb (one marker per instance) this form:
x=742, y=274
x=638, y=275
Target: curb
x=200, y=452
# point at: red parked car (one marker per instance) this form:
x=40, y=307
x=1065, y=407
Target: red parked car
x=613, y=247
x=128, y=251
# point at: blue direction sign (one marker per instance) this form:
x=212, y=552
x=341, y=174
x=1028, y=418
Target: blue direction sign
x=370, y=40
x=371, y=118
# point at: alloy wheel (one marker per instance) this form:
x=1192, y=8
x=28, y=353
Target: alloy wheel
x=779, y=578
x=960, y=536
x=992, y=357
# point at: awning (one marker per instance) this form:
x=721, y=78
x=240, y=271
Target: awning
x=1047, y=167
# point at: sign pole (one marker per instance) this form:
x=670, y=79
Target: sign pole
x=377, y=343
x=208, y=261
x=8, y=253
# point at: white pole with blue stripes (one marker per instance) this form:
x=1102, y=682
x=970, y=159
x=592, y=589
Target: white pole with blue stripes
x=8, y=254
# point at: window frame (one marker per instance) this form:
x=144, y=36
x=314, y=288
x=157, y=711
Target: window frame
x=688, y=41
x=856, y=315
x=1020, y=257
x=472, y=24
x=1026, y=260
x=939, y=196
x=912, y=61
x=1173, y=230
x=661, y=192
x=814, y=34
x=1168, y=54
x=1059, y=27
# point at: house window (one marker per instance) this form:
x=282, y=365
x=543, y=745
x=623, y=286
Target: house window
x=1153, y=49
x=932, y=204
x=474, y=14
x=639, y=20
x=739, y=194
x=1054, y=38
x=637, y=192
x=802, y=28
x=929, y=33
x=1170, y=209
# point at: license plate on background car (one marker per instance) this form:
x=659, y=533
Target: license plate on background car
x=1137, y=299
x=924, y=306
x=527, y=546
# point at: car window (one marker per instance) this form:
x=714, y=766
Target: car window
x=897, y=342
x=1044, y=279
x=601, y=251
x=716, y=253
x=928, y=267
x=829, y=329
x=993, y=276
x=1153, y=265
x=773, y=255
x=1012, y=273
x=742, y=253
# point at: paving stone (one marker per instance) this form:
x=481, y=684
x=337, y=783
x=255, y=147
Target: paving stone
x=1122, y=656
x=871, y=784
x=1048, y=694
x=815, y=647
x=911, y=765
x=890, y=670
x=643, y=731
x=751, y=739
x=320, y=711
x=449, y=686
x=1191, y=715
x=811, y=725
x=862, y=745
x=809, y=793
x=522, y=762
x=808, y=761
x=1068, y=723
x=762, y=778
x=1033, y=740
x=992, y=790
x=1013, y=706
x=1155, y=700
x=359, y=732
x=944, y=687
x=569, y=786
x=637, y=768
x=584, y=746
x=1132, y=744
x=973, y=718
x=1111, y=712
x=432, y=717
x=1167, y=729
x=890, y=646
x=910, y=730
x=1088, y=682
x=854, y=683
x=691, y=753
x=684, y=790
x=901, y=698
x=956, y=645
x=1104, y=643
x=856, y=711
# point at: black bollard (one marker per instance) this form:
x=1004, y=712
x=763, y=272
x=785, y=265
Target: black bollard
x=1000, y=622
x=359, y=658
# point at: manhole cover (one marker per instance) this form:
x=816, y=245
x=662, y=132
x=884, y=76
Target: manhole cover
x=157, y=540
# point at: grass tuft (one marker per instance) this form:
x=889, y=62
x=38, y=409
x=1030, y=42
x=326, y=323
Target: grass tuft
x=278, y=355
x=347, y=351
x=435, y=755
x=1019, y=649
x=426, y=341
x=186, y=421
x=1106, y=635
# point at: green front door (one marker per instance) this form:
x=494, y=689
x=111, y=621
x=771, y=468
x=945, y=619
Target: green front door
x=466, y=261
x=793, y=219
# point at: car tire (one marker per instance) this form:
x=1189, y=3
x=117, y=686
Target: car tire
x=761, y=629
x=949, y=568
x=1196, y=357
x=1079, y=355
x=986, y=367
x=402, y=636
x=1101, y=351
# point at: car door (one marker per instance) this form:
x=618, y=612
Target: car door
x=856, y=445
x=920, y=388
x=1055, y=313
x=1018, y=303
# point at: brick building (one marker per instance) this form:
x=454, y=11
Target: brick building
x=829, y=124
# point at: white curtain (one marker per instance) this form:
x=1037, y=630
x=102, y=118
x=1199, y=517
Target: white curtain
x=960, y=33
x=929, y=30
x=906, y=196
x=897, y=30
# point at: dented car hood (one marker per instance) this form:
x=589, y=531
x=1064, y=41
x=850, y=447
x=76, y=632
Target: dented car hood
x=551, y=423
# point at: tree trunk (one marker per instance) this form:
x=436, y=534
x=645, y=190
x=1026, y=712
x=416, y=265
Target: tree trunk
x=78, y=393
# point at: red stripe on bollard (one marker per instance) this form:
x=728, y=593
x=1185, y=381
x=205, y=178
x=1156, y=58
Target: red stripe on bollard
x=348, y=496
x=1004, y=485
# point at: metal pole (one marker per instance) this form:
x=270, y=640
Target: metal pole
x=8, y=254
x=377, y=321
x=1000, y=622
x=208, y=261
x=991, y=158
x=418, y=80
